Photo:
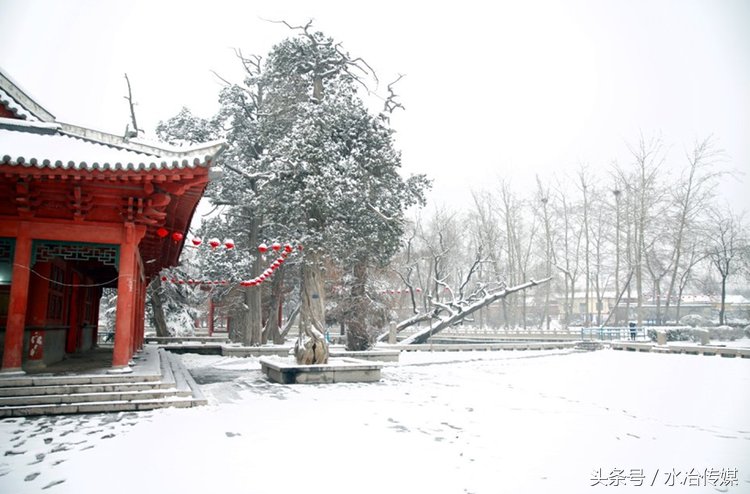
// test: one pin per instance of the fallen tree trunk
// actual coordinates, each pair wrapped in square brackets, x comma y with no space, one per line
[457,312]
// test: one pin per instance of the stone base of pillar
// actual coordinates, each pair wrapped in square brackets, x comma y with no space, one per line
[125,369]
[35,364]
[12,372]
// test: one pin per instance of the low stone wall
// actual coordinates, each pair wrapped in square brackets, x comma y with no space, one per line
[337,370]
[682,349]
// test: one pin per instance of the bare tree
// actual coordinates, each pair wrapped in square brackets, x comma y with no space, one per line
[646,205]
[727,244]
[584,186]
[569,250]
[543,194]
[691,194]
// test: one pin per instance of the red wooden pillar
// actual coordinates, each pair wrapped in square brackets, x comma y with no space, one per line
[126,292]
[134,312]
[140,314]
[19,292]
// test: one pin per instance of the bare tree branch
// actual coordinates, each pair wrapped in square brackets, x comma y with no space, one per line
[129,97]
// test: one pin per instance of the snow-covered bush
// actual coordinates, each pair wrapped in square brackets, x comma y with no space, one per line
[693,320]
[725,333]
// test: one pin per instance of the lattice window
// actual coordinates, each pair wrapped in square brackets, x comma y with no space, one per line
[7,250]
[46,250]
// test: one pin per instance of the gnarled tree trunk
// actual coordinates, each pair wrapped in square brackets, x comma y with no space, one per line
[358,337]
[272,331]
[311,346]
[157,305]
[253,329]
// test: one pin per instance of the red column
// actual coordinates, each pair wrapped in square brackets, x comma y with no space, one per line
[126,286]
[139,316]
[144,288]
[19,292]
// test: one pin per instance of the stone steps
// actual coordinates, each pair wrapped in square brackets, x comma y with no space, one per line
[94,407]
[74,398]
[159,380]
[81,388]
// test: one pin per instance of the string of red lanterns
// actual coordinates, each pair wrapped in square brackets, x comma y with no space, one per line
[196,241]
[263,249]
[284,252]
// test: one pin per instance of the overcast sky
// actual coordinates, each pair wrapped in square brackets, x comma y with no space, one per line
[491,89]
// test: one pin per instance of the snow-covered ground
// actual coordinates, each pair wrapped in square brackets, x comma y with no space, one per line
[475,422]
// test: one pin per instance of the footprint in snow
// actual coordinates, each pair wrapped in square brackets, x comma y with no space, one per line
[39,459]
[52,484]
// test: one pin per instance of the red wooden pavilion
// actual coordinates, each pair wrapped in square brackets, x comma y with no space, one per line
[81,210]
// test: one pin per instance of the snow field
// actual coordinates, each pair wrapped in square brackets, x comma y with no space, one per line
[473,422]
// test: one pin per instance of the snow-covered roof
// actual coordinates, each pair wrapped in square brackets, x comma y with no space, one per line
[45,146]
[9,102]
[20,102]
[34,138]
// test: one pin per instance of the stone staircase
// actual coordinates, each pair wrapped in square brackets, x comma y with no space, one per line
[158,380]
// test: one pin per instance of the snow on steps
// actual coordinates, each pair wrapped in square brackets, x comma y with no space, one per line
[172,386]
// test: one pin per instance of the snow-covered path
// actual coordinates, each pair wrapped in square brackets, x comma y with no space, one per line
[441,423]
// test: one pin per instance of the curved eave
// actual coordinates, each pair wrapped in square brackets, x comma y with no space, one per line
[167,163]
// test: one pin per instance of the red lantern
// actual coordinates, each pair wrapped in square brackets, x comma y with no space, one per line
[214,242]
[300,247]
[177,236]
[262,248]
[163,278]
[197,241]
[288,248]
[229,243]
[419,290]
[162,232]
[181,282]
[245,283]
[276,246]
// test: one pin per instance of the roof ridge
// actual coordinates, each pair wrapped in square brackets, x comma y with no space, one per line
[136,144]
[29,125]
[23,98]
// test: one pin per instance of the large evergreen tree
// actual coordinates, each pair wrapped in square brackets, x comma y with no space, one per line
[306,161]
